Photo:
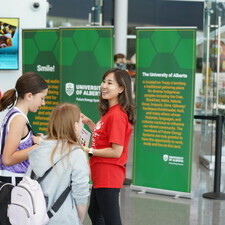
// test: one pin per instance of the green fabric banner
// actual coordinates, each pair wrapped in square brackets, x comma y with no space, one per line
[41,54]
[165,104]
[86,54]
[72,61]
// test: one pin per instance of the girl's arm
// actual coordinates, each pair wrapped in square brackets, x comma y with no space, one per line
[17,130]
[82,209]
[114,152]
[80,182]
[88,121]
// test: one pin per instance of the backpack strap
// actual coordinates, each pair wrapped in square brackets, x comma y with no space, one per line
[58,203]
[4,131]
[40,179]
[30,128]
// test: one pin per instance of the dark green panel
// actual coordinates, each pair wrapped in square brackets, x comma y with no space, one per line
[41,55]
[165,102]
[86,54]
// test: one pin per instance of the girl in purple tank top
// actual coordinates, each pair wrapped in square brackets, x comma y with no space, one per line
[16,134]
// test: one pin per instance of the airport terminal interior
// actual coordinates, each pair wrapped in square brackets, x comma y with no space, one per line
[141,207]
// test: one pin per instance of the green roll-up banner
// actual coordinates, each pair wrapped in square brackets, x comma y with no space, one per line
[41,54]
[72,61]
[165,102]
[86,54]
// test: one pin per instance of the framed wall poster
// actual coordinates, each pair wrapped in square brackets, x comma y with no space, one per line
[9,43]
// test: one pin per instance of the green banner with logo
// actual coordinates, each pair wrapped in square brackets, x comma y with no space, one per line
[165,105]
[72,61]
[86,54]
[41,54]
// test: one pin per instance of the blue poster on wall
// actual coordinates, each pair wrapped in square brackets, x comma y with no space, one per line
[9,43]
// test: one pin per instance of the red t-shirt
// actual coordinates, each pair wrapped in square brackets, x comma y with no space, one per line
[113,127]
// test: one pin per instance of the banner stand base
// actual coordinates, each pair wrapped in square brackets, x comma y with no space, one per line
[175,194]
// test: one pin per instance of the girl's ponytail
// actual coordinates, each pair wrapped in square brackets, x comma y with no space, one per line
[8,99]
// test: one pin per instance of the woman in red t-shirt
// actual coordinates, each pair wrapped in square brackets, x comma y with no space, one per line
[110,139]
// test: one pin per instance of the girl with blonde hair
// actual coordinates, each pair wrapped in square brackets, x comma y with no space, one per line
[61,145]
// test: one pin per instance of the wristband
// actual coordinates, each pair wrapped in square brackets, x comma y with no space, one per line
[84,148]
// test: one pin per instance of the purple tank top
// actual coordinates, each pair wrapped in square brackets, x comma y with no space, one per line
[24,143]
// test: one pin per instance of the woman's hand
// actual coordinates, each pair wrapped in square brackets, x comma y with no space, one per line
[86,149]
[86,120]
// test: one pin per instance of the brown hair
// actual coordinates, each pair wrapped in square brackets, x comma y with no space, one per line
[29,82]
[118,56]
[61,126]
[125,98]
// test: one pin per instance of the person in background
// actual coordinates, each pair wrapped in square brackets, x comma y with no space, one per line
[16,133]
[109,151]
[61,142]
[120,61]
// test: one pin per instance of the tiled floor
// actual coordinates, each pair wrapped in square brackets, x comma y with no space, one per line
[153,209]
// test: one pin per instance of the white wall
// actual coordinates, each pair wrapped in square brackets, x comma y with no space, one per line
[29,18]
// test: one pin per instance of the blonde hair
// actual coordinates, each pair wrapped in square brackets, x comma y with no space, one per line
[61,127]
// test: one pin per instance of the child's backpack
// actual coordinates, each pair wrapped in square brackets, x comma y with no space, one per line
[5,199]
[28,205]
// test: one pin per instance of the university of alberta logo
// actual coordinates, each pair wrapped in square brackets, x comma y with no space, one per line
[69,89]
[165,157]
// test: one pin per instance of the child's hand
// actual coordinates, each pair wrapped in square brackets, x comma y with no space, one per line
[37,139]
